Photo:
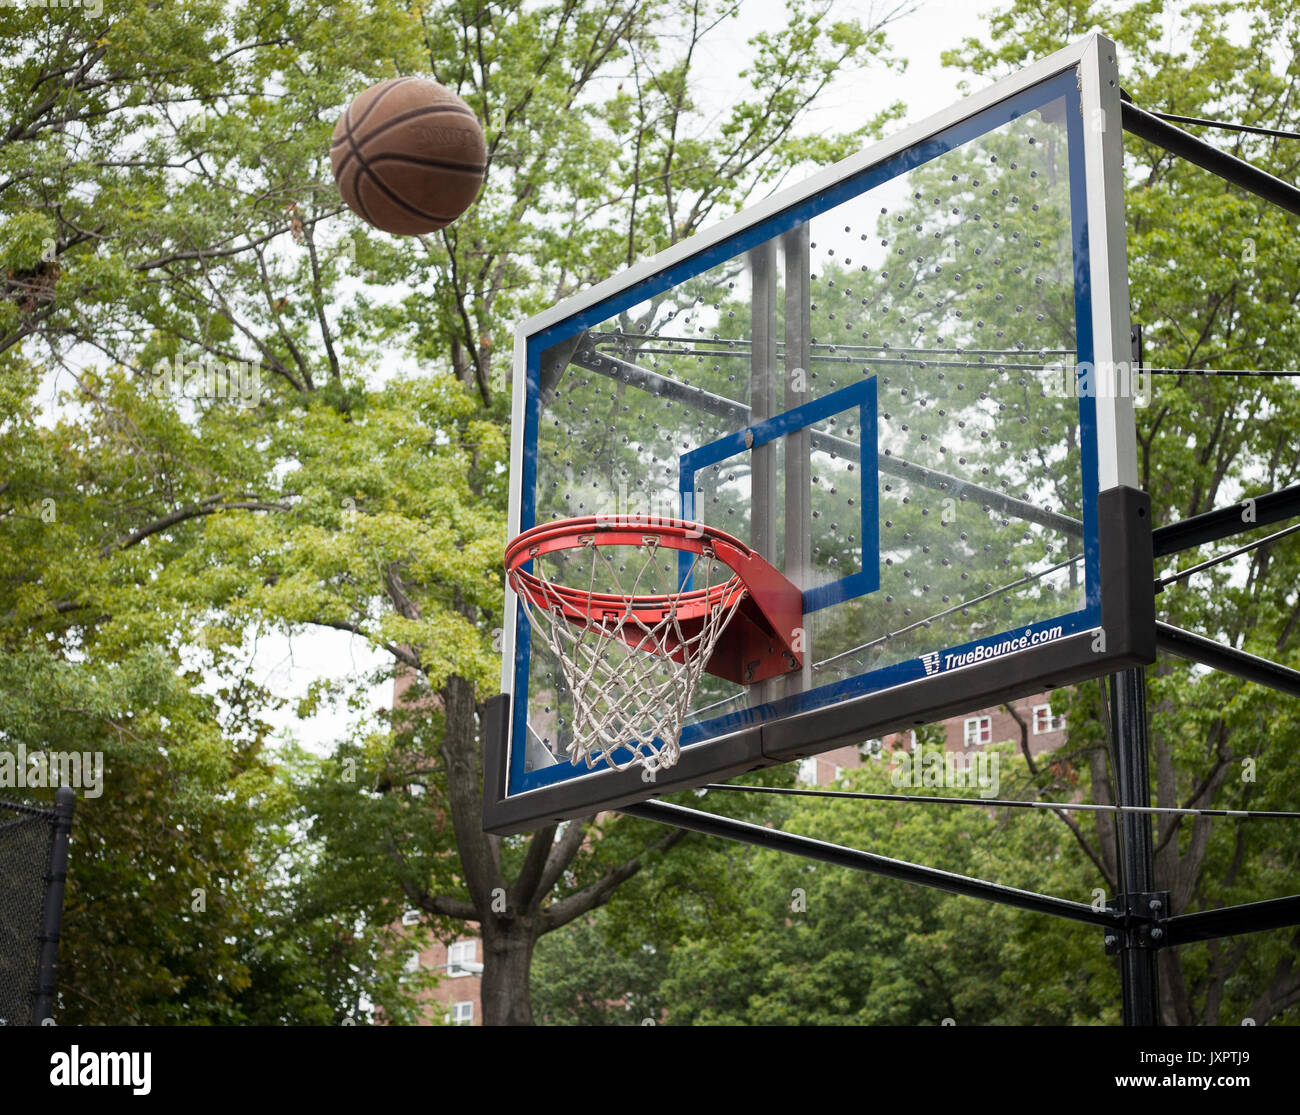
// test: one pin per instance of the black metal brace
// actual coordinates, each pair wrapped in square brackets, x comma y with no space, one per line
[1143,927]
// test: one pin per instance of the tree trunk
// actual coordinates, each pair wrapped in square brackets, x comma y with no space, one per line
[507,965]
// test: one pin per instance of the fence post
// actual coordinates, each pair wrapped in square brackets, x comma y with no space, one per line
[52,916]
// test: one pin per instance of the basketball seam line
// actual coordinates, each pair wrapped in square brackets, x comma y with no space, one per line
[468,168]
[412,114]
[383,187]
[349,137]
[347,131]
[356,145]
[363,165]
[376,102]
[415,210]
[356,192]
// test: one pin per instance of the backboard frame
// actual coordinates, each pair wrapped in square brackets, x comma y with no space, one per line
[1118,627]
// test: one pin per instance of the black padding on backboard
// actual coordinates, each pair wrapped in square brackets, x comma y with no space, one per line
[1128,594]
[496,746]
[719,759]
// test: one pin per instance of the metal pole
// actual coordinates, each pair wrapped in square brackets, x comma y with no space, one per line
[1249,514]
[1255,917]
[52,915]
[1139,978]
[713,824]
[1228,167]
[762,404]
[1197,648]
[798,448]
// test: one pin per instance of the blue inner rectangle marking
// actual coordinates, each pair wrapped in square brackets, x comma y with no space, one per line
[861,395]
[1084,619]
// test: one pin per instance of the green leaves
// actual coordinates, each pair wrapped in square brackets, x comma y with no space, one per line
[27,241]
[816,945]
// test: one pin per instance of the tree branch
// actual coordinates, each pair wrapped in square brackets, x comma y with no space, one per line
[446,907]
[562,853]
[209,506]
[438,904]
[403,655]
[460,753]
[1068,821]
[523,891]
[598,893]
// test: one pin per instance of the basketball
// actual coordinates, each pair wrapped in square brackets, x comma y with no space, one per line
[408,156]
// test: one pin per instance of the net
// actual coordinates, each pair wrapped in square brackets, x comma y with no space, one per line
[631,660]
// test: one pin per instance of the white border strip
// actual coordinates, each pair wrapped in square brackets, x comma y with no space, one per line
[1103,165]
[509,616]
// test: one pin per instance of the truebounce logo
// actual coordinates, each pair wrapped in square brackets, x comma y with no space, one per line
[235,381]
[986,651]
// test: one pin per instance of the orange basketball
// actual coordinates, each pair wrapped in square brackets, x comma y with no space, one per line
[408,156]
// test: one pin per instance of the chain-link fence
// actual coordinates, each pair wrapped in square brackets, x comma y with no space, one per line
[33,867]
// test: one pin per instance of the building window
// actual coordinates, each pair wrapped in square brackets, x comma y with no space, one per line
[808,771]
[462,1014]
[412,964]
[411,917]
[459,955]
[979,731]
[1045,722]
[873,749]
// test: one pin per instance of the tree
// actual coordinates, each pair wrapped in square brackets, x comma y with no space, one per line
[577,980]
[1215,285]
[829,946]
[239,451]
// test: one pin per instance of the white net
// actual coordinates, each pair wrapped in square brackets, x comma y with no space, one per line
[631,670]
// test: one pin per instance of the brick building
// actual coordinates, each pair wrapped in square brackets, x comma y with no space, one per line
[457,1000]
[963,734]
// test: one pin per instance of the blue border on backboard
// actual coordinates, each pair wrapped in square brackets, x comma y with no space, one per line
[1064,84]
[861,395]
